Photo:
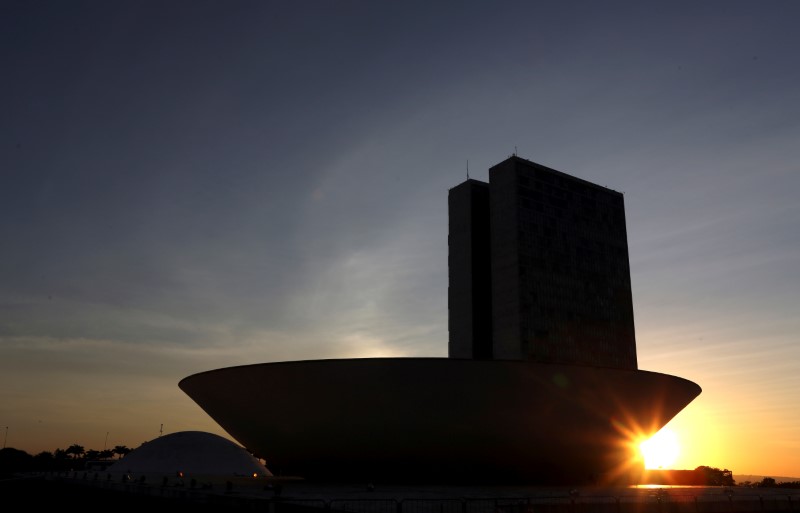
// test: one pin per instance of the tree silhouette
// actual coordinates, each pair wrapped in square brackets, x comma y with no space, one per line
[75,450]
[44,461]
[767,482]
[106,454]
[14,460]
[91,454]
[120,450]
[45,456]
[716,477]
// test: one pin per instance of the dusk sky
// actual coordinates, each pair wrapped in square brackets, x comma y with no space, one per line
[192,185]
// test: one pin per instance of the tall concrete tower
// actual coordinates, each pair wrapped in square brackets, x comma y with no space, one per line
[539,270]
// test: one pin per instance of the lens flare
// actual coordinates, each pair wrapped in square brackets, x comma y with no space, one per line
[660,450]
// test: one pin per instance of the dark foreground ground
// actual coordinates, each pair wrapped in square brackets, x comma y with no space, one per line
[54,491]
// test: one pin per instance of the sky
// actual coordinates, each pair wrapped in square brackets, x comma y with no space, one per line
[192,185]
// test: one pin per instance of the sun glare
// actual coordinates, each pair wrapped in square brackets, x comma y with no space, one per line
[660,450]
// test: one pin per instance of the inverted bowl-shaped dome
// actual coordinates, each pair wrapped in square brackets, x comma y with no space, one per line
[191,453]
[437,420]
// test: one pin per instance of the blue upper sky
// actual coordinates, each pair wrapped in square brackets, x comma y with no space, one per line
[188,185]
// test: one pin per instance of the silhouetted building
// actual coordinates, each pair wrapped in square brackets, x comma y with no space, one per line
[538,263]
[469,261]
[541,387]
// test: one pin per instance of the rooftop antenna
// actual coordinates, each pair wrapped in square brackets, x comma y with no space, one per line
[515,151]
[161,430]
[467,169]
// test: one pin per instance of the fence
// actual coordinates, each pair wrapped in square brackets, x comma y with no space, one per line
[267,500]
[593,504]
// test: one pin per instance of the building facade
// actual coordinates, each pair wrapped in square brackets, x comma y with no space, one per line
[539,270]
[468,261]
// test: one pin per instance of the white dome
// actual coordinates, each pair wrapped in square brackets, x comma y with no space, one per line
[192,453]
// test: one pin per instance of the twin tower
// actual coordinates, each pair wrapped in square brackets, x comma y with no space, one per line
[539,271]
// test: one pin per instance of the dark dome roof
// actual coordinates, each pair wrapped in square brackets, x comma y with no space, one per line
[193,453]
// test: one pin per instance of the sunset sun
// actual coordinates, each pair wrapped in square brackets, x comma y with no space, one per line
[660,450]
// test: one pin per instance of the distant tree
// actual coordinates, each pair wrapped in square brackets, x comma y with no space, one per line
[75,450]
[14,460]
[716,477]
[61,460]
[789,484]
[44,461]
[767,482]
[120,450]
[91,454]
[45,456]
[106,454]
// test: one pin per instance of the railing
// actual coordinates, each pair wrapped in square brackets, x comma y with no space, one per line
[593,504]
[729,500]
